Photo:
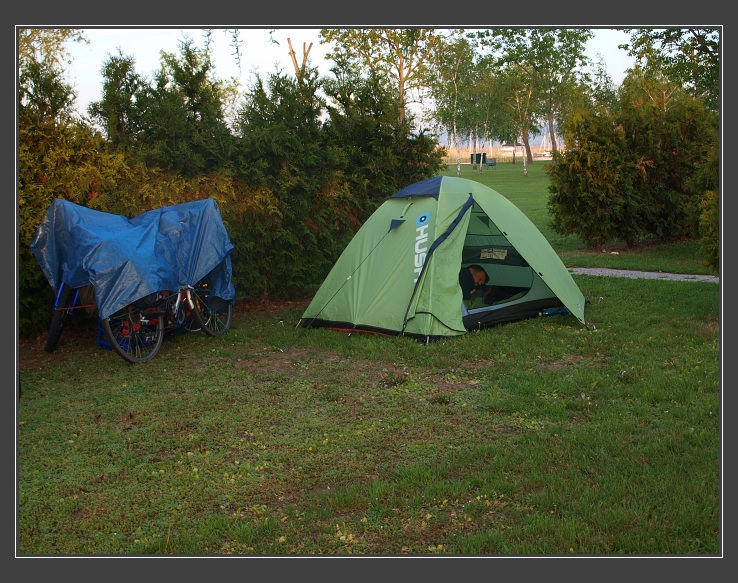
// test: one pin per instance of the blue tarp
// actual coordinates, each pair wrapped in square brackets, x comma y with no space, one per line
[127,259]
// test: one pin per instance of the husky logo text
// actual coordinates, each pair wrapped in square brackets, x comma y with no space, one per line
[421,243]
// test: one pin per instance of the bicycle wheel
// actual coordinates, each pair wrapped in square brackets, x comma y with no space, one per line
[211,312]
[64,301]
[135,334]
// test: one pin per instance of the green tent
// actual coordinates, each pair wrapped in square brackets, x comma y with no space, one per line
[400,272]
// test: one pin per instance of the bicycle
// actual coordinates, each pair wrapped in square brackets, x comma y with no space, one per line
[135,332]
[122,259]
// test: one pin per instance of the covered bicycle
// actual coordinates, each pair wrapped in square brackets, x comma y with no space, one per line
[164,270]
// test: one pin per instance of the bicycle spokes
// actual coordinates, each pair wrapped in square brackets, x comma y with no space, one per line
[134,334]
[213,313]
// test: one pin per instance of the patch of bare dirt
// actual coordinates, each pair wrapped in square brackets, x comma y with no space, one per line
[269,305]
[312,364]
[77,333]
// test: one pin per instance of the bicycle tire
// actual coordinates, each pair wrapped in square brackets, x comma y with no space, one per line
[134,334]
[214,314]
[64,301]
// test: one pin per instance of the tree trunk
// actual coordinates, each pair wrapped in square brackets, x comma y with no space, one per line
[456,135]
[457,145]
[526,145]
[527,152]
[481,154]
[554,146]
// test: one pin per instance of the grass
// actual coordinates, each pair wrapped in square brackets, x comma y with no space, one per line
[539,437]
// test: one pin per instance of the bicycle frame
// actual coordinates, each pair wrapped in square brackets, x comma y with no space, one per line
[136,331]
[58,304]
[64,305]
[176,307]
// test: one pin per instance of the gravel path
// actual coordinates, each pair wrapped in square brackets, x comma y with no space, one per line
[641,274]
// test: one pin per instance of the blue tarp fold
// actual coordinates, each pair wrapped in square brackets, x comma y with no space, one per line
[128,259]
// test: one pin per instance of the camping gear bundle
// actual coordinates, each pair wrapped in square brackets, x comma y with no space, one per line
[126,259]
[400,272]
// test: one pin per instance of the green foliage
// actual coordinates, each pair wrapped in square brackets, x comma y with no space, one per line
[705,184]
[119,111]
[540,69]
[58,157]
[290,214]
[635,172]
[591,196]
[176,123]
[401,55]
[308,185]
[710,229]
[461,99]
[676,140]
[689,57]
[378,154]
[43,94]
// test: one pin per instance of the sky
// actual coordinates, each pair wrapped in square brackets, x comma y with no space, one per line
[258,53]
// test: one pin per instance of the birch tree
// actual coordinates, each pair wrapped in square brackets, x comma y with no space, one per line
[449,82]
[401,55]
[518,88]
[688,56]
[553,60]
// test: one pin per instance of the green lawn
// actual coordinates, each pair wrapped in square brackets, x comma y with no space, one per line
[536,438]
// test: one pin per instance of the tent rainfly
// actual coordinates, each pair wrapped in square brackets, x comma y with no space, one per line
[400,272]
